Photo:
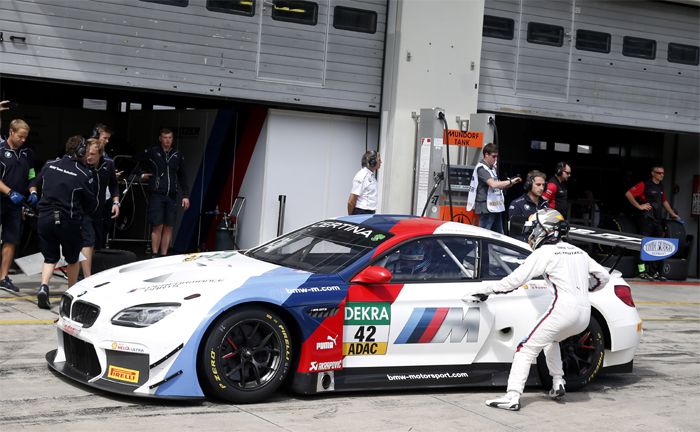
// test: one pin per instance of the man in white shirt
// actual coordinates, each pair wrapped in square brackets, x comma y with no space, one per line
[363,195]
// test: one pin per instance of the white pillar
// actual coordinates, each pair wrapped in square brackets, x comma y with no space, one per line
[433,51]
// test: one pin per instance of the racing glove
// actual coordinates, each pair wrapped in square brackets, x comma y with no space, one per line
[478,294]
[16,197]
[33,199]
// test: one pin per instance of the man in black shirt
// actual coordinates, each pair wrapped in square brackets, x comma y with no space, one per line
[525,205]
[165,171]
[649,198]
[556,192]
[68,191]
[16,170]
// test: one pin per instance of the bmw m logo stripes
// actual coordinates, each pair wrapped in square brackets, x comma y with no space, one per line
[435,325]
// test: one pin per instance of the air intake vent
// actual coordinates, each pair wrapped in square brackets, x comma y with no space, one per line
[322,312]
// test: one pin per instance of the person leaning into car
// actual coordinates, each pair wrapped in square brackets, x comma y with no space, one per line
[68,191]
[16,171]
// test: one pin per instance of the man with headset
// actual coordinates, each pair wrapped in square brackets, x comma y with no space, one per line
[363,195]
[525,205]
[556,192]
[68,191]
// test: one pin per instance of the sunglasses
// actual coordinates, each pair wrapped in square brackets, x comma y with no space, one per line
[659,172]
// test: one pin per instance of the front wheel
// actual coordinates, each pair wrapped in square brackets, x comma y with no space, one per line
[246,356]
[581,355]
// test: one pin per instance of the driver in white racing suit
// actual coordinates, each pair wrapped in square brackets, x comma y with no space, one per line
[570,273]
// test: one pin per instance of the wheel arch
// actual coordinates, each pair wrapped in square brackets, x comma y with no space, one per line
[604,324]
[288,318]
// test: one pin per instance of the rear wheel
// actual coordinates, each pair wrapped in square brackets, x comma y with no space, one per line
[246,356]
[582,357]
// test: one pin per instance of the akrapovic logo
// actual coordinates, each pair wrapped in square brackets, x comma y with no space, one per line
[436,325]
[324,366]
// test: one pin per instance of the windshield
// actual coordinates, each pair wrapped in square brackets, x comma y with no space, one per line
[324,247]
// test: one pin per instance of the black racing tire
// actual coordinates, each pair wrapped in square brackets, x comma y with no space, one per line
[582,358]
[246,356]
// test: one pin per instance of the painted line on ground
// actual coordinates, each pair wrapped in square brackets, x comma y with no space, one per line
[643,282]
[27,321]
[670,319]
[669,303]
[2,299]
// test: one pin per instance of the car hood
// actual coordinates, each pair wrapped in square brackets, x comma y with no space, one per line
[210,276]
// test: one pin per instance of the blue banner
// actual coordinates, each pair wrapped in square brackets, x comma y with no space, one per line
[655,249]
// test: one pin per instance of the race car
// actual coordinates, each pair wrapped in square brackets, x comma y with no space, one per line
[354,303]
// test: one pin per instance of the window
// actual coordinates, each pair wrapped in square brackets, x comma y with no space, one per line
[296,11]
[584,149]
[638,47]
[545,34]
[685,54]
[498,27]
[237,7]
[538,145]
[323,247]
[587,40]
[561,147]
[501,261]
[95,104]
[432,259]
[345,18]
[181,3]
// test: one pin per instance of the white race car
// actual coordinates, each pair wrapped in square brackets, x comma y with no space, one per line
[355,303]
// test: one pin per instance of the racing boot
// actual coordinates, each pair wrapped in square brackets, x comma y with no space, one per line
[42,297]
[558,391]
[510,401]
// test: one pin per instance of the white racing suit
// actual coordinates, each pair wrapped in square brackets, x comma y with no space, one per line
[571,274]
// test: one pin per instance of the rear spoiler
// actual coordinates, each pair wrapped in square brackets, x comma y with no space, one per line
[605,237]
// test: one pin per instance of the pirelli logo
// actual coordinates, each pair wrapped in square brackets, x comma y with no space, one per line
[123,374]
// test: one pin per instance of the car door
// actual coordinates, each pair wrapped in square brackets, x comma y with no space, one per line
[418,318]
[515,313]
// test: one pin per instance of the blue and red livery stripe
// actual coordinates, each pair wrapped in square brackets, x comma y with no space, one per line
[422,325]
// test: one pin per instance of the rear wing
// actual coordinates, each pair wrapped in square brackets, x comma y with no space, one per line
[605,237]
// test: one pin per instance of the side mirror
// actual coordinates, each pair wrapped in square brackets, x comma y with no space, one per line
[373,275]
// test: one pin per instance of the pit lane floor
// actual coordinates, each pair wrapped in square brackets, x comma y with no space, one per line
[660,395]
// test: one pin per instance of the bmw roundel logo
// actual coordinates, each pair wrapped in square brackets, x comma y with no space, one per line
[8,154]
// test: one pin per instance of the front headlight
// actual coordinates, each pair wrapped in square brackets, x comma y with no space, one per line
[144,315]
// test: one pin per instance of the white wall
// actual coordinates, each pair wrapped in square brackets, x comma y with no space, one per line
[309,157]
[443,38]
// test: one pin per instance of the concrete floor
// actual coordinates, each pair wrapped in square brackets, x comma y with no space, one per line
[660,395]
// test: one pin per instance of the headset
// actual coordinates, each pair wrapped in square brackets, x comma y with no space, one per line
[95,133]
[560,167]
[81,149]
[369,159]
[528,182]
